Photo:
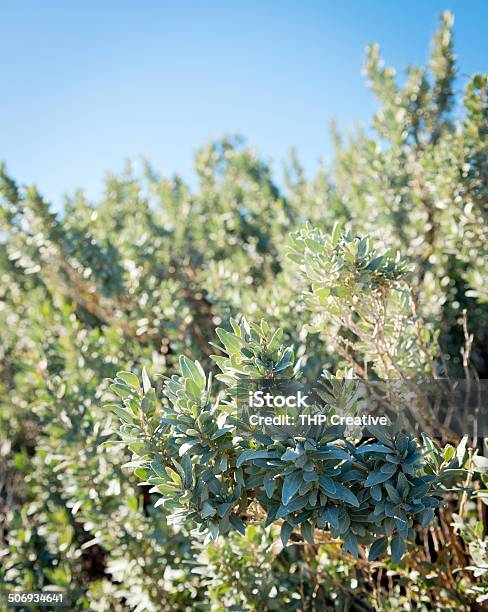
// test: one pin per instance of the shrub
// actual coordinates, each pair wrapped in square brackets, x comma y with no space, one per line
[148,274]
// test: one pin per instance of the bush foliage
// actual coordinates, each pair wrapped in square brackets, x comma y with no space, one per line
[136,492]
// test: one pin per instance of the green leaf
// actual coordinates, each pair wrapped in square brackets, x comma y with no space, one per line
[376,477]
[175,477]
[378,548]
[331,515]
[480,464]
[373,448]
[351,544]
[427,516]
[146,383]
[213,528]
[397,549]
[275,342]
[193,389]
[345,494]
[129,378]
[285,533]
[375,263]
[208,510]
[250,454]
[122,391]
[314,246]
[376,492]
[402,485]
[237,523]
[222,509]
[392,493]
[381,434]
[290,455]
[184,448]
[461,450]
[321,291]
[327,484]
[194,371]
[336,233]
[388,468]
[231,342]
[449,452]
[291,484]
[126,416]
[269,485]
[296,504]
[307,532]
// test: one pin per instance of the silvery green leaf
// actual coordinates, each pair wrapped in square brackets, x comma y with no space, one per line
[427,517]
[146,383]
[331,514]
[388,468]
[213,528]
[231,342]
[296,504]
[250,454]
[290,455]
[305,487]
[397,549]
[223,508]
[275,341]
[327,484]
[122,390]
[480,464]
[373,448]
[402,485]
[307,532]
[285,533]
[345,494]
[376,493]
[237,523]
[331,452]
[208,510]
[351,544]
[401,442]
[378,548]
[184,448]
[381,434]
[375,478]
[125,415]
[375,263]
[291,484]
[344,521]
[129,378]
[269,484]
[392,493]
[461,450]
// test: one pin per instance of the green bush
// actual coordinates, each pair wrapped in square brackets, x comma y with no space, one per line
[148,276]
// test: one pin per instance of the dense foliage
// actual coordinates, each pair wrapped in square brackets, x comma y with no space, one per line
[100,299]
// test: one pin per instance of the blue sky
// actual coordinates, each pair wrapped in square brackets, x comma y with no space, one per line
[85,85]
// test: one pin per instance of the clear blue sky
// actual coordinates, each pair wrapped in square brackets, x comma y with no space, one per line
[87,84]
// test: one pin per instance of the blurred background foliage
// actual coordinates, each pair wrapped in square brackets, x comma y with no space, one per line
[148,273]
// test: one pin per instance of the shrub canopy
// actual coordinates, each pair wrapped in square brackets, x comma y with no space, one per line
[373,268]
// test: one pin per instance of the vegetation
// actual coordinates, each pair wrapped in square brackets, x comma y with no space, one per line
[125,476]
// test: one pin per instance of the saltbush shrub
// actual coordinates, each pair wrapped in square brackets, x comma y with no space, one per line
[144,277]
